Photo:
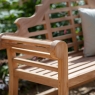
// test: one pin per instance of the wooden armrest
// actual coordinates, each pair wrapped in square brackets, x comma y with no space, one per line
[27,44]
[2,34]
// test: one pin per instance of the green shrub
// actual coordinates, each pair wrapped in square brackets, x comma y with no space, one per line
[10,10]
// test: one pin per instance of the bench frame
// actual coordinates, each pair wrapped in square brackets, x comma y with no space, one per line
[47,49]
[56,49]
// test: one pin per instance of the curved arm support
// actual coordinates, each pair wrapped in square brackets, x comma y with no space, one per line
[24,23]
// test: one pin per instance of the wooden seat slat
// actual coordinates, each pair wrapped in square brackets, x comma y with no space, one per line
[52,73]
[78,74]
[83,71]
[44,72]
[28,68]
[77,65]
[35,77]
[37,70]
[75,58]
[77,69]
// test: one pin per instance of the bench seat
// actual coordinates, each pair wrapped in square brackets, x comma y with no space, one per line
[65,26]
[81,70]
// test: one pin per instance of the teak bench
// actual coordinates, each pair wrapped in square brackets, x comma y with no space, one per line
[56,69]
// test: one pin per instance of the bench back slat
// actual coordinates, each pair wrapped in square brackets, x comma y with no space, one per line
[56,23]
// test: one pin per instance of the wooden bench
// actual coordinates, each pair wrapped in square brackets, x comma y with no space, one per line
[57,69]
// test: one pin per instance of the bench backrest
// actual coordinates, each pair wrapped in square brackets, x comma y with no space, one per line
[56,20]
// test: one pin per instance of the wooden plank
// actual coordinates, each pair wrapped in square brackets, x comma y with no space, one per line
[73,29]
[83,63]
[74,0]
[32,52]
[73,83]
[82,78]
[59,19]
[30,69]
[34,77]
[23,40]
[81,72]
[63,37]
[77,7]
[59,10]
[48,26]
[71,60]
[70,45]
[82,67]
[51,74]
[73,44]
[44,72]
[62,28]
[37,70]
[52,91]
[91,3]
[25,46]
[35,64]
[62,69]
[13,82]
[36,33]
[57,1]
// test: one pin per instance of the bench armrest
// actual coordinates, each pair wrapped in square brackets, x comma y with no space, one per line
[47,49]
[1,34]
[52,47]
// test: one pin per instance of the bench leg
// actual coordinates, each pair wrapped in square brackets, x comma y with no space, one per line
[13,86]
[13,81]
[63,88]
[62,91]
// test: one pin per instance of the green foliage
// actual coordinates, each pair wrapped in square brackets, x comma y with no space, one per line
[28,8]
[10,10]
[8,13]
[3,72]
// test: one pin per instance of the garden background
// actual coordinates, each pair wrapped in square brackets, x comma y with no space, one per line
[10,10]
